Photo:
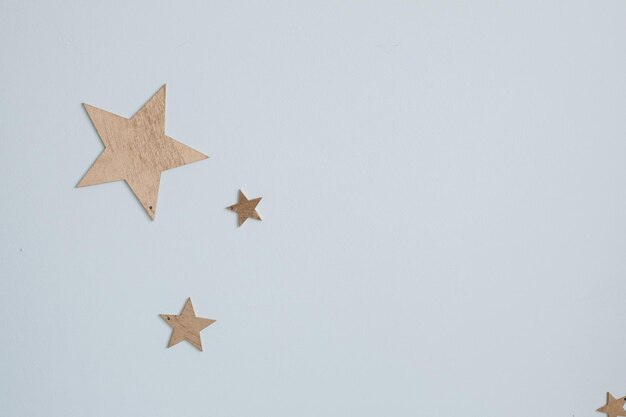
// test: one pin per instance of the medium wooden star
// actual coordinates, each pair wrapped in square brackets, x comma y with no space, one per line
[245,209]
[186,326]
[137,150]
[614,406]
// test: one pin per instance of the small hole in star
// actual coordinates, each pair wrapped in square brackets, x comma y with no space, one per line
[150,207]
[168,318]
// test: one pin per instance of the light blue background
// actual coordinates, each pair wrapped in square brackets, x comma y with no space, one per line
[444,209]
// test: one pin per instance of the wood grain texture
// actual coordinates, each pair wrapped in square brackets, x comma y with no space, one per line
[614,406]
[245,209]
[137,150]
[186,326]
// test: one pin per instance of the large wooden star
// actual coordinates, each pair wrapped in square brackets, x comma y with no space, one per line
[245,209]
[137,150]
[186,326]
[614,406]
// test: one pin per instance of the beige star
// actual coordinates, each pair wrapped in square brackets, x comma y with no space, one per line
[614,406]
[137,150]
[245,209]
[186,326]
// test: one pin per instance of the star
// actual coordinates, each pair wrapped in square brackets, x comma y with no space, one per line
[186,326]
[245,208]
[137,150]
[614,406]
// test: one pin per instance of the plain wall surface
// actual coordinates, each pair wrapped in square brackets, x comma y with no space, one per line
[444,209]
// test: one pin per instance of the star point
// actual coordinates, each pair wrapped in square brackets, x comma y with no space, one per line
[137,150]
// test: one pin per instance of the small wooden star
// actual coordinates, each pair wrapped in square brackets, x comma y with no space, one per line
[186,326]
[137,150]
[245,209]
[614,406]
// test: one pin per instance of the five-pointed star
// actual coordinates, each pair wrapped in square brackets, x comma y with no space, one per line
[245,209]
[186,326]
[614,406]
[137,150]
